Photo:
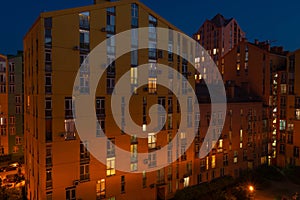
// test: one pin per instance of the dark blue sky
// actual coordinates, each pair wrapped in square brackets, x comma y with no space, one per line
[262,19]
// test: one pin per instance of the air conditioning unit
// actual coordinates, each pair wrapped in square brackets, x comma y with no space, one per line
[75,182]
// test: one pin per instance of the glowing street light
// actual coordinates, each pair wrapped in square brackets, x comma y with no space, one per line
[251,188]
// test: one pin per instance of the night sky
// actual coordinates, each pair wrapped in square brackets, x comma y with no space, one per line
[277,21]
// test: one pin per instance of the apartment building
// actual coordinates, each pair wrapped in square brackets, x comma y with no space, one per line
[15,106]
[288,112]
[218,36]
[58,164]
[253,66]
[4,149]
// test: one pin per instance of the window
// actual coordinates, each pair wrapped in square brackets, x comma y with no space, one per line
[110,84]
[48,107]
[213,161]
[18,140]
[152,159]
[122,184]
[110,166]
[18,109]
[298,114]
[12,130]
[100,189]
[69,129]
[48,178]
[12,120]
[48,32]
[48,130]
[71,193]
[133,154]
[48,156]
[84,20]
[11,88]
[235,158]
[84,172]
[18,99]
[283,89]
[144,179]
[110,147]
[151,140]
[186,181]
[134,79]
[296,152]
[84,153]
[68,108]
[282,125]
[225,160]
[100,126]
[152,85]
[134,15]
[49,195]
[84,87]
[100,106]
[15,149]
[84,39]
[48,83]
[184,86]
[111,19]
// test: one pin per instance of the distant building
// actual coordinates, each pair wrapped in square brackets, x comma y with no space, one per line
[15,106]
[253,66]
[287,80]
[4,149]
[218,36]
[11,108]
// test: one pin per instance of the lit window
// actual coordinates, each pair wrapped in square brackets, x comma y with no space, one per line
[235,159]
[151,140]
[100,189]
[186,182]
[298,114]
[152,85]
[282,125]
[198,37]
[213,161]
[110,166]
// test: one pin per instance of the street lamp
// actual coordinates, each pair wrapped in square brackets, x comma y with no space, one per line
[251,188]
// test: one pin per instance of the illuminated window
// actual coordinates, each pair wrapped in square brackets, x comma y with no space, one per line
[133,153]
[207,163]
[282,125]
[151,140]
[198,37]
[214,51]
[213,161]
[186,181]
[235,158]
[298,114]
[100,189]
[152,85]
[283,88]
[110,166]
[221,143]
